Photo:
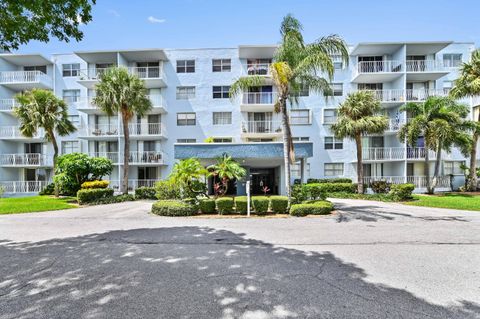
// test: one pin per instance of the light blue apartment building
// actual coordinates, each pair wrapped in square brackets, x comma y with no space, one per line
[189,92]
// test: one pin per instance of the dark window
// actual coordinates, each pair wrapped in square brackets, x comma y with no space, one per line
[185,66]
[221,92]
[221,65]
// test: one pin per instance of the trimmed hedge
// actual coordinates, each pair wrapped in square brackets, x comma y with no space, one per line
[260,204]
[317,208]
[145,193]
[279,204]
[172,208]
[224,205]
[328,180]
[85,196]
[207,206]
[400,192]
[114,199]
[94,184]
[332,187]
[380,187]
[241,205]
[167,190]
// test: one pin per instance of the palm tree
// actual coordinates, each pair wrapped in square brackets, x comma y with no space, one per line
[468,84]
[358,116]
[296,66]
[441,122]
[41,109]
[188,173]
[121,92]
[227,169]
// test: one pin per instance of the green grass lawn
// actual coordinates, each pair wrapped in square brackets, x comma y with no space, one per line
[453,201]
[18,205]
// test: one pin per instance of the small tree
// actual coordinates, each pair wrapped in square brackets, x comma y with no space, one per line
[41,109]
[358,116]
[188,173]
[226,169]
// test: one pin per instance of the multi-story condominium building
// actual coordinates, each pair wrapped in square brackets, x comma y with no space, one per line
[189,92]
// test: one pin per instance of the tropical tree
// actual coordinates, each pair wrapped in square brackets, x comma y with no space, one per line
[468,84]
[441,122]
[296,66]
[227,169]
[357,116]
[120,92]
[41,109]
[188,174]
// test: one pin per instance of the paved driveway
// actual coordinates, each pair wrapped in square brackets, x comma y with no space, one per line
[370,260]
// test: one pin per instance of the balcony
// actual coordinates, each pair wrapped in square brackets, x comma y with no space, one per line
[13,133]
[377,71]
[158,104]
[394,125]
[90,77]
[100,132]
[390,98]
[26,160]
[258,102]
[373,154]
[25,80]
[7,105]
[425,70]
[152,75]
[146,131]
[112,156]
[261,129]
[419,153]
[262,69]
[85,105]
[23,186]
[147,158]
[420,95]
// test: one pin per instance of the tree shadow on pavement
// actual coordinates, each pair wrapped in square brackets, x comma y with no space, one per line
[193,272]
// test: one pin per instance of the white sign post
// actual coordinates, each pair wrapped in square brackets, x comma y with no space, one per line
[248,198]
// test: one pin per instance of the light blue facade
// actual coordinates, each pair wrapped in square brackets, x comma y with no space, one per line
[397,72]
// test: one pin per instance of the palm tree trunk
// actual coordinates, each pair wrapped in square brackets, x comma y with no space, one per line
[436,171]
[287,138]
[472,179]
[358,141]
[55,156]
[426,171]
[126,154]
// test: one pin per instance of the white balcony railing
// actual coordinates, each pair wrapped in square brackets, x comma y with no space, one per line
[14,132]
[424,66]
[7,104]
[137,129]
[419,153]
[7,77]
[395,95]
[92,73]
[148,72]
[422,95]
[132,184]
[365,67]
[258,68]
[259,98]
[383,153]
[267,127]
[100,130]
[113,156]
[421,181]
[149,157]
[31,159]
[389,179]
[23,186]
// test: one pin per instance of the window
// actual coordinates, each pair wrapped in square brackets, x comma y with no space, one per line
[337,89]
[75,119]
[186,140]
[222,140]
[301,139]
[184,119]
[295,169]
[447,86]
[185,92]
[299,117]
[185,66]
[41,68]
[222,118]
[331,143]
[333,169]
[452,168]
[337,62]
[329,116]
[452,60]
[221,92]
[221,65]
[72,69]
[304,91]
[70,147]
[71,96]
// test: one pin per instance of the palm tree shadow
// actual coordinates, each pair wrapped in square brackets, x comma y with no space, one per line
[193,272]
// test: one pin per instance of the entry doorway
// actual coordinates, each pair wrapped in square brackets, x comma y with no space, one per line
[261,177]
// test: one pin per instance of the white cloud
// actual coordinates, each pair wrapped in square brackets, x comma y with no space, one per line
[152,19]
[114,13]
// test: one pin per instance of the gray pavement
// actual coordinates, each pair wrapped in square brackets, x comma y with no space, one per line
[368,260]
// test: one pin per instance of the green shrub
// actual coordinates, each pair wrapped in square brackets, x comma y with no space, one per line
[260,204]
[334,187]
[113,199]
[145,193]
[167,189]
[279,204]
[85,196]
[380,187]
[207,206]
[315,191]
[317,208]
[379,197]
[241,205]
[172,208]
[94,184]
[400,192]
[48,190]
[299,194]
[328,180]
[224,205]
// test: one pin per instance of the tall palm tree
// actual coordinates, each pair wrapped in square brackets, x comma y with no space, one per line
[357,116]
[441,122]
[296,65]
[41,109]
[468,84]
[227,169]
[120,92]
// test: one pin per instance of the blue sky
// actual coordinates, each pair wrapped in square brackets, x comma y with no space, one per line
[125,24]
